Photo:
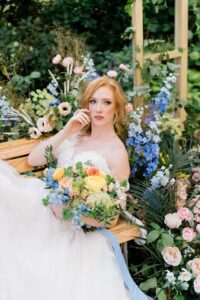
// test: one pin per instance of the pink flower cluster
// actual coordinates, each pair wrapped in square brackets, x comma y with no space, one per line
[175,220]
[67,62]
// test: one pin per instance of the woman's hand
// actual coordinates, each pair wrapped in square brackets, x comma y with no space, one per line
[79,120]
[93,222]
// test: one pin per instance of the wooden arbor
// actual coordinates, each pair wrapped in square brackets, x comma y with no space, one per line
[180,41]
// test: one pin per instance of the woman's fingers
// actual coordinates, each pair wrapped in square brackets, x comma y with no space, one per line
[85,110]
[83,117]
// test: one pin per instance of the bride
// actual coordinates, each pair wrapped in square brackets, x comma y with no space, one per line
[42,256]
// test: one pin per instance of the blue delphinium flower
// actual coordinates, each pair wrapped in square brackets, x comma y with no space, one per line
[48,179]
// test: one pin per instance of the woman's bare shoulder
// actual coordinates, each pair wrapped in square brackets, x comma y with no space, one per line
[118,160]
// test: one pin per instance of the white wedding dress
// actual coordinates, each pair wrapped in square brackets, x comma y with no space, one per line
[44,258]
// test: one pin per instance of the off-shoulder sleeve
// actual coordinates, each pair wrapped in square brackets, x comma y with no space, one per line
[65,151]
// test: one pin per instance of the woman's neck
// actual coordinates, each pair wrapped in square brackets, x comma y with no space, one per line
[103,133]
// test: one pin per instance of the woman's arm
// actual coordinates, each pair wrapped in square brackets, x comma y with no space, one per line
[75,124]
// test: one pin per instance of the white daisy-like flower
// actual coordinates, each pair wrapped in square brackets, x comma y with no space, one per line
[64,108]
[185,275]
[34,133]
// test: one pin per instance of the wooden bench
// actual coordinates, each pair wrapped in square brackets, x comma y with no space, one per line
[15,154]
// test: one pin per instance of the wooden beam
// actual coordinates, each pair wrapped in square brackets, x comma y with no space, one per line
[137,22]
[181,40]
[165,55]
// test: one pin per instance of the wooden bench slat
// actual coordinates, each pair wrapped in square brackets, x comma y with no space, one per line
[12,149]
[20,164]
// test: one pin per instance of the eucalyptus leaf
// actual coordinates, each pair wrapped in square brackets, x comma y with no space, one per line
[149,284]
[152,236]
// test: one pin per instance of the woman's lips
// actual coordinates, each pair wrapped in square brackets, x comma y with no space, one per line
[98,118]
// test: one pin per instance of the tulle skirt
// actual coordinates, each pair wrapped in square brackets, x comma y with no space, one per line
[42,257]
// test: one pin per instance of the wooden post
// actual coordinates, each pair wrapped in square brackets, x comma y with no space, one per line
[137,21]
[181,41]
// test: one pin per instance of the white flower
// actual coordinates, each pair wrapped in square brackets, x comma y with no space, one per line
[43,125]
[34,133]
[184,285]
[197,285]
[123,67]
[112,74]
[172,220]
[64,108]
[185,275]
[170,277]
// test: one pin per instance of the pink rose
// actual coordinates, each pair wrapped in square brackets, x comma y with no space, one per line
[198,228]
[172,220]
[43,125]
[123,67]
[196,177]
[198,204]
[185,214]
[78,70]
[197,284]
[112,73]
[67,61]
[172,256]
[56,59]
[188,234]
[129,107]
[197,188]
[194,265]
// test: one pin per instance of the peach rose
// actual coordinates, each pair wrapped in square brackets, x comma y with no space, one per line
[129,107]
[56,59]
[185,214]
[188,234]
[65,182]
[171,255]
[112,73]
[194,265]
[172,220]
[67,61]
[197,284]
[93,171]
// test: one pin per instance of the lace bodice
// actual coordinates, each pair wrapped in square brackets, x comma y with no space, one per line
[67,157]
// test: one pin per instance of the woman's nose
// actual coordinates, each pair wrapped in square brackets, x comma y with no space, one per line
[99,107]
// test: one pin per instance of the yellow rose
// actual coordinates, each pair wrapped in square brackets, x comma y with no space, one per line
[94,183]
[58,173]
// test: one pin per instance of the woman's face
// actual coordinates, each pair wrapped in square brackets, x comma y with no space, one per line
[102,106]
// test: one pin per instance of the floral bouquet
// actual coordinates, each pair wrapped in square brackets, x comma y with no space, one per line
[84,189]
[174,243]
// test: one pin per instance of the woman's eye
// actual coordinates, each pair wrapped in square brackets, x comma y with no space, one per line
[107,102]
[92,101]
